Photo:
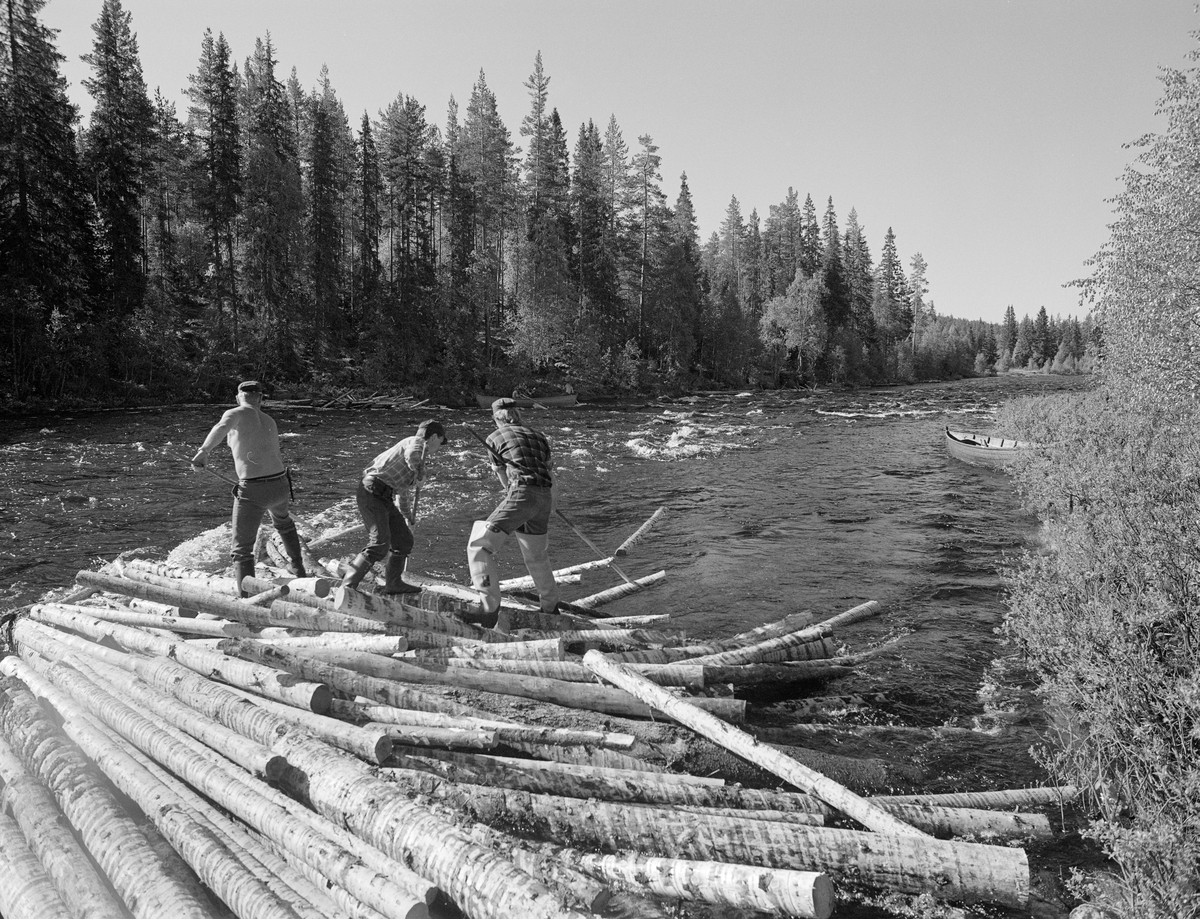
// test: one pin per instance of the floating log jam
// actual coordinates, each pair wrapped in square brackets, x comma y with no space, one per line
[278,741]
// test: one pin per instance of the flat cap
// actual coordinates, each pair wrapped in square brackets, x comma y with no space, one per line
[249,386]
[504,403]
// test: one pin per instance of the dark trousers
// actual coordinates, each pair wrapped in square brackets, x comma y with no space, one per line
[387,530]
[250,501]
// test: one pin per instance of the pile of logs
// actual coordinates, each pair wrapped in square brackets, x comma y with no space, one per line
[170,749]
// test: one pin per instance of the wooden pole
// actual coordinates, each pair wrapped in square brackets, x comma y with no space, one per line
[748,748]
[591,545]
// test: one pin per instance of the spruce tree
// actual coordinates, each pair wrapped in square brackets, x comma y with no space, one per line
[650,202]
[47,253]
[116,151]
[217,161]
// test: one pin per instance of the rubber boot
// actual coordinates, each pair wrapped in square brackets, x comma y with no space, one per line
[481,559]
[535,551]
[393,577]
[243,569]
[291,542]
[357,571]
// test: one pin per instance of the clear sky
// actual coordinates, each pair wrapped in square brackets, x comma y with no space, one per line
[987,133]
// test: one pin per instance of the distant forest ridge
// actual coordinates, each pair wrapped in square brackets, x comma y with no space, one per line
[153,254]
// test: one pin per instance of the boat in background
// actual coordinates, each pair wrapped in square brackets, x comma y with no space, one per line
[559,400]
[983,449]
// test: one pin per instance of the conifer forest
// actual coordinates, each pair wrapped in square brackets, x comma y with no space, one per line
[153,254]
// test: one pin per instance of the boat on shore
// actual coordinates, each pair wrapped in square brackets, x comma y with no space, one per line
[983,449]
[558,400]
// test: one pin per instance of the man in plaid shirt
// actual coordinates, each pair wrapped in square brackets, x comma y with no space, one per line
[521,460]
[384,498]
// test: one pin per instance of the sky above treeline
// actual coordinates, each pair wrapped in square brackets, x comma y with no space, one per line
[987,134]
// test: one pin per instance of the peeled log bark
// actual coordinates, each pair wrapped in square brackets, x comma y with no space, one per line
[27,891]
[747,747]
[66,863]
[403,898]
[253,757]
[621,590]
[552,649]
[947,870]
[783,647]
[273,683]
[573,695]
[120,848]
[396,612]
[639,534]
[766,890]
[505,731]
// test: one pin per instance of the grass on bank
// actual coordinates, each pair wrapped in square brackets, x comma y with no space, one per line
[1107,614]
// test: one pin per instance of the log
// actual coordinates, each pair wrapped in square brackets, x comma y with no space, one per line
[756,674]
[815,649]
[748,748]
[766,890]
[350,601]
[404,896]
[691,678]
[621,590]
[178,594]
[369,742]
[572,695]
[183,625]
[509,585]
[272,683]
[504,731]
[965,872]
[782,647]
[343,679]
[591,894]
[640,533]
[251,756]
[1015,797]
[27,891]
[45,829]
[792,622]
[481,884]
[121,850]
[264,598]
[572,780]
[544,649]
[334,535]
[417,735]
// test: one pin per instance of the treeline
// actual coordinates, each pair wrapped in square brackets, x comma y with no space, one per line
[1107,610]
[262,233]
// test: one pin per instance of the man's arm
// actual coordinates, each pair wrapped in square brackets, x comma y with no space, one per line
[220,430]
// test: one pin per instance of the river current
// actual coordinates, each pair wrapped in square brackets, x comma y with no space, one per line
[776,502]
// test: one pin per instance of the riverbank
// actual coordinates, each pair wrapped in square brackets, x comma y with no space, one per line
[1105,613]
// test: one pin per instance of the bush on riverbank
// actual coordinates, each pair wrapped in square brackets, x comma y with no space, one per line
[1106,615]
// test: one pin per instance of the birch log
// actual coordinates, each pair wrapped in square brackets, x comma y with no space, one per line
[112,837]
[765,890]
[621,590]
[640,533]
[205,772]
[748,748]
[281,686]
[26,891]
[86,894]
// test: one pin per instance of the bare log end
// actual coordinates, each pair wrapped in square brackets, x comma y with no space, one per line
[322,699]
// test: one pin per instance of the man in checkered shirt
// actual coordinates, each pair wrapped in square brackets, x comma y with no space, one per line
[521,460]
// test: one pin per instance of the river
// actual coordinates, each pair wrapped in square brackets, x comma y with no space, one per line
[775,502]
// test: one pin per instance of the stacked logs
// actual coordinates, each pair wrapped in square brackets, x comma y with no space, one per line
[316,753]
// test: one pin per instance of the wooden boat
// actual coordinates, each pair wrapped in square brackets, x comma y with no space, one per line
[561,400]
[982,449]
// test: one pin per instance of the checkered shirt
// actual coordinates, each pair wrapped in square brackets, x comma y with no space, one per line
[392,465]
[526,453]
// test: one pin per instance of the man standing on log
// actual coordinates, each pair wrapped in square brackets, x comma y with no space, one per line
[385,499]
[264,483]
[521,460]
